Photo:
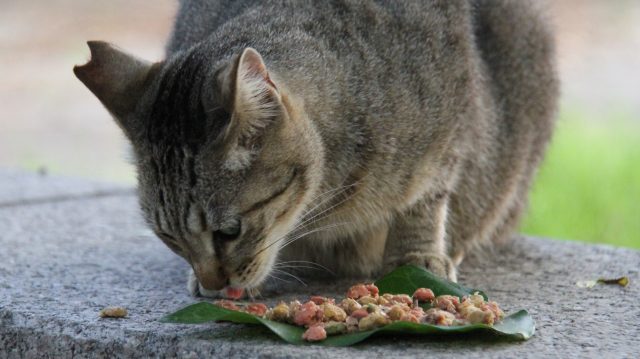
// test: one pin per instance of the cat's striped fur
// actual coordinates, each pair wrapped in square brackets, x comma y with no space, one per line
[358,135]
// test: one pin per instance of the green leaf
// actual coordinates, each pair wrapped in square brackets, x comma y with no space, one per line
[206,312]
[406,279]
[519,326]
[622,281]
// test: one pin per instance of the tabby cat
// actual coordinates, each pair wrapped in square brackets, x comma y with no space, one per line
[356,135]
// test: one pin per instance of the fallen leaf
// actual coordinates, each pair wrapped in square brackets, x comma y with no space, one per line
[622,281]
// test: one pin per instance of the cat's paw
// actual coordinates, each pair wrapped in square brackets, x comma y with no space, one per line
[196,290]
[440,265]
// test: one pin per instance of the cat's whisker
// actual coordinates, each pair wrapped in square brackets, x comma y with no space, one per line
[281,238]
[307,262]
[294,266]
[313,231]
[253,293]
[291,240]
[327,193]
[297,266]
[298,261]
[213,109]
[315,218]
[302,224]
[308,221]
[301,267]
[297,237]
[339,190]
[291,275]
[271,275]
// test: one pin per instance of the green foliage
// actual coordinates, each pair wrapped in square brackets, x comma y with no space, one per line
[406,279]
[589,185]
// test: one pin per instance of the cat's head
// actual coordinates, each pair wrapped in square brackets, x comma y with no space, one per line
[226,159]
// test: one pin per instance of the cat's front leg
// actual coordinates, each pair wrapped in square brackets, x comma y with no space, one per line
[196,289]
[417,236]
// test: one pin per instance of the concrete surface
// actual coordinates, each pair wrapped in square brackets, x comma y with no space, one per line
[18,189]
[61,261]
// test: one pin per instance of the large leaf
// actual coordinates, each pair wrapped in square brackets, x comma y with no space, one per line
[406,279]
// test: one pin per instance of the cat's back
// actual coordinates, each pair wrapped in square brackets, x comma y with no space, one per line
[196,19]
[339,23]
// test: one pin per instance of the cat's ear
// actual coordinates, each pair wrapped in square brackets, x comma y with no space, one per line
[116,78]
[255,98]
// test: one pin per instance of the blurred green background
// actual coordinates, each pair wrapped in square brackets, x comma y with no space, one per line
[587,189]
[589,185]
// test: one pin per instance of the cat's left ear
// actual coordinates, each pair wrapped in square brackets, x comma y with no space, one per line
[256,100]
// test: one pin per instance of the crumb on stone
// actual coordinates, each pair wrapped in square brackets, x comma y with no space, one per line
[113,312]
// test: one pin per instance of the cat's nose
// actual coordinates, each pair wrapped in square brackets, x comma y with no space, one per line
[210,277]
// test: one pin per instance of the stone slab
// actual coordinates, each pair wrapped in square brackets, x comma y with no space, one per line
[20,187]
[63,261]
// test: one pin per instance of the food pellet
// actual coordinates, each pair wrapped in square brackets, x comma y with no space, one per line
[113,312]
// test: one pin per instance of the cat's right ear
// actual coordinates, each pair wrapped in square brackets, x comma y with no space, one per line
[117,79]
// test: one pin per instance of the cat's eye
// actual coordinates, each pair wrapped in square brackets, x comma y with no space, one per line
[229,230]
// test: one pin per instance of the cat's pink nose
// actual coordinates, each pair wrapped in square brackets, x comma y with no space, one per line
[209,277]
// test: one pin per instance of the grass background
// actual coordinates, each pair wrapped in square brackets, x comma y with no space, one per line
[588,187]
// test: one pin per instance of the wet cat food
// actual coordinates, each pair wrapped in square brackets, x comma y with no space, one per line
[365,309]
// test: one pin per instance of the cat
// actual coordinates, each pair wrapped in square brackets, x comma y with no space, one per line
[353,135]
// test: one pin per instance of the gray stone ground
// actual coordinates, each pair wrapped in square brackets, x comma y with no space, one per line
[69,247]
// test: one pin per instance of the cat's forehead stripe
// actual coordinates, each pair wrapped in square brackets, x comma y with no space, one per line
[161,197]
[177,115]
[168,181]
[174,168]
[185,111]
[192,172]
